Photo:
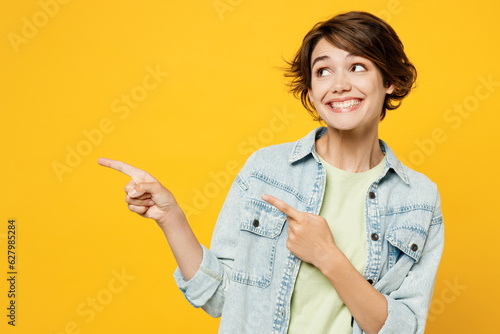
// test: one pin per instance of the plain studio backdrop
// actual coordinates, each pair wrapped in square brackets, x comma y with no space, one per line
[187,90]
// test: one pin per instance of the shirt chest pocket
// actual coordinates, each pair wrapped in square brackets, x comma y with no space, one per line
[260,228]
[407,239]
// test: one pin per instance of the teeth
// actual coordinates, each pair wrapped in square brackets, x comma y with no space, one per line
[345,104]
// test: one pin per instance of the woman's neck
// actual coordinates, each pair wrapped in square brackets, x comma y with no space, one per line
[351,151]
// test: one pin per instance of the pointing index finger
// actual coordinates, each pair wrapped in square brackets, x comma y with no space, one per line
[133,172]
[282,206]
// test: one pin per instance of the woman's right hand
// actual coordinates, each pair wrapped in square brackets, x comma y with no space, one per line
[146,196]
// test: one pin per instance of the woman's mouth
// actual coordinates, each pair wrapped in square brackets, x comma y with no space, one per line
[345,106]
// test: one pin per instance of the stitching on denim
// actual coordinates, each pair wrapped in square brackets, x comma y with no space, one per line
[416,228]
[407,208]
[404,248]
[211,274]
[262,282]
[374,250]
[274,182]
[437,220]
[264,210]
[403,244]
[263,205]
[242,183]
[296,150]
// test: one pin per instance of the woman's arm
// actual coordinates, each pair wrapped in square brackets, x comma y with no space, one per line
[202,275]
[366,304]
[147,197]
[185,246]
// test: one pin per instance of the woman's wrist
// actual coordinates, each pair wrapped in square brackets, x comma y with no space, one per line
[331,260]
[174,219]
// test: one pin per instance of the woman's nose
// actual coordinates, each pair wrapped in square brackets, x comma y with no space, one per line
[340,83]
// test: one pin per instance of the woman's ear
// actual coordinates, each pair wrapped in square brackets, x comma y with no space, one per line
[309,95]
[390,89]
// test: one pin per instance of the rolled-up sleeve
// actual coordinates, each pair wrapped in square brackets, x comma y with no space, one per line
[207,288]
[206,281]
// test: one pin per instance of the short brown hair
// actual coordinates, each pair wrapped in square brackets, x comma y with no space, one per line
[362,34]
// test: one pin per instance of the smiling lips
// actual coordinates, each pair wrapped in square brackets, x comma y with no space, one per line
[344,106]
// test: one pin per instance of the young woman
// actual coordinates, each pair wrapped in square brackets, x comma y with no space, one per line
[328,234]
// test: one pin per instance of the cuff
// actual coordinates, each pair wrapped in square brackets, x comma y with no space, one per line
[207,279]
[400,319]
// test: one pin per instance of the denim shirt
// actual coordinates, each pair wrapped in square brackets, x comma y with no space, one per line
[248,275]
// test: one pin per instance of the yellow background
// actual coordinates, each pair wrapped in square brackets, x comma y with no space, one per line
[214,108]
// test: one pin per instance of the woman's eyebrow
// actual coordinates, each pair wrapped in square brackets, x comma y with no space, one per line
[325,57]
[319,59]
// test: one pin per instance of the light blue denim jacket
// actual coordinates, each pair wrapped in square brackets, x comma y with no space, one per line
[248,275]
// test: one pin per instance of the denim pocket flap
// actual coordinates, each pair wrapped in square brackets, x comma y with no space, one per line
[409,239]
[262,218]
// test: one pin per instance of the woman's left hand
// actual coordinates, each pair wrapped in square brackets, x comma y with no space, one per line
[309,236]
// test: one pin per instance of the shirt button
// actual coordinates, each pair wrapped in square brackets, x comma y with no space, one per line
[282,312]
[255,223]
[371,194]
[370,281]
[374,237]
[414,247]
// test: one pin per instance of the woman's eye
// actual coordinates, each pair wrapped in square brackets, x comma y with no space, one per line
[322,72]
[358,68]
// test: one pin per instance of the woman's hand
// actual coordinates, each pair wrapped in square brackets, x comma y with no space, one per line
[146,196]
[309,236]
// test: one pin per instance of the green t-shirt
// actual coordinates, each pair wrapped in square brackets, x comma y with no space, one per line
[316,307]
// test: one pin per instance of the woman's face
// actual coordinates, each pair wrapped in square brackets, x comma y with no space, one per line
[347,90]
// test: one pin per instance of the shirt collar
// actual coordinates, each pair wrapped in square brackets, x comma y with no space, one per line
[306,145]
